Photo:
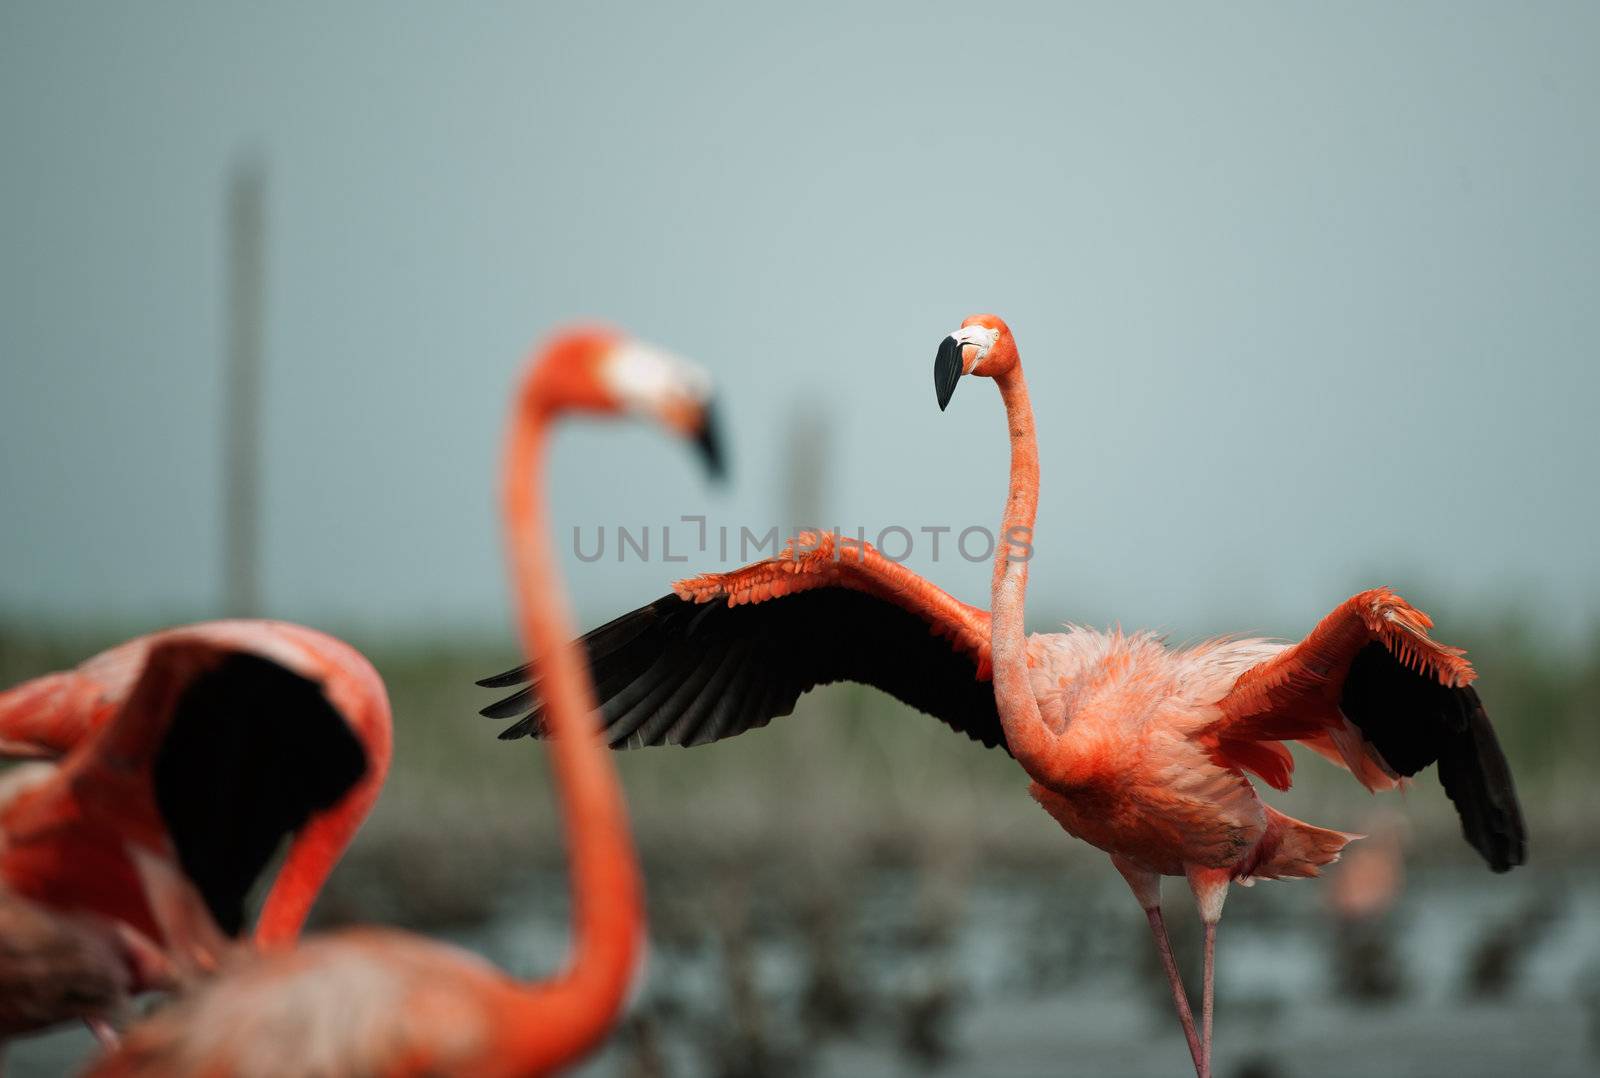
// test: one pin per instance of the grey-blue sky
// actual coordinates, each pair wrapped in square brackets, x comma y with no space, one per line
[1306,294]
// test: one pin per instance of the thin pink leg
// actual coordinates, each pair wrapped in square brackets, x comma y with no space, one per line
[103,1032]
[1210,887]
[1208,999]
[1180,998]
[1146,887]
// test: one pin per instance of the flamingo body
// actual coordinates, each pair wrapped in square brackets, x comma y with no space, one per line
[1131,772]
[362,1001]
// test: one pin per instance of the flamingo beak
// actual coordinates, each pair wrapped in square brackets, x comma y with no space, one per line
[947,370]
[708,442]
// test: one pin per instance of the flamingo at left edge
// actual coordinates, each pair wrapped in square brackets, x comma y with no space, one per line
[164,776]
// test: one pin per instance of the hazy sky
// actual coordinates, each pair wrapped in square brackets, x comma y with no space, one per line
[1306,294]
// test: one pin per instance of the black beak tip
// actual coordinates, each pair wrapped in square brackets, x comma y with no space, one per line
[946,371]
[709,444]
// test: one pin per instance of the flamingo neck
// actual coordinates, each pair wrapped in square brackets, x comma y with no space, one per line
[607,895]
[311,859]
[1026,734]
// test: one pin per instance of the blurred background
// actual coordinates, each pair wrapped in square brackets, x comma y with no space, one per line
[1306,300]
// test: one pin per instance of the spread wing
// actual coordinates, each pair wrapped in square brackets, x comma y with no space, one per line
[1369,689]
[728,652]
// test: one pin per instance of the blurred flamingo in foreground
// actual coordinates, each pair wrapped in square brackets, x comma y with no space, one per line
[1136,748]
[380,1001]
[186,758]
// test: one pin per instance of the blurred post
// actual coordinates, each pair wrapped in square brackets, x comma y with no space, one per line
[241,434]
[807,460]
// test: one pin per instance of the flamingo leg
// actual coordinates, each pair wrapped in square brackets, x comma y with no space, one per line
[193,939]
[1207,1000]
[104,1032]
[1210,887]
[1180,998]
[1146,887]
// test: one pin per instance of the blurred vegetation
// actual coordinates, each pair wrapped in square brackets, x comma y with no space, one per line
[852,777]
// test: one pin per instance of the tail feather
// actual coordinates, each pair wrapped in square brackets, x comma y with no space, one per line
[1293,849]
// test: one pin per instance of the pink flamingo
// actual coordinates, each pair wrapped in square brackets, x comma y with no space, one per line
[1136,748]
[380,1001]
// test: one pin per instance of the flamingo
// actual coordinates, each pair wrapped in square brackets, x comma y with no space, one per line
[379,1001]
[1371,880]
[1137,748]
[299,715]
[167,773]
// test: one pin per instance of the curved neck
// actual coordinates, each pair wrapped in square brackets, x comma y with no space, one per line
[356,691]
[1026,734]
[607,896]
[311,859]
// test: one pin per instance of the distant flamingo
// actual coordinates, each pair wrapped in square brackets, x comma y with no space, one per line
[1136,748]
[1371,877]
[1360,897]
[380,1001]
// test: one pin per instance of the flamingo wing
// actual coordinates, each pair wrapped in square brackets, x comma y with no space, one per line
[1369,689]
[218,753]
[728,652]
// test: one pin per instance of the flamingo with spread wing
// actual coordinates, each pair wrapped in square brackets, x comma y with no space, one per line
[1137,748]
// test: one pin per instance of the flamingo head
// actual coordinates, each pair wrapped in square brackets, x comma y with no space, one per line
[982,345]
[600,371]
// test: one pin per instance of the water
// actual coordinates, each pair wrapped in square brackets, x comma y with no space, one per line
[1014,974]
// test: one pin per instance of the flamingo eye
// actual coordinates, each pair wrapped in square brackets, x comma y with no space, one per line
[980,337]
